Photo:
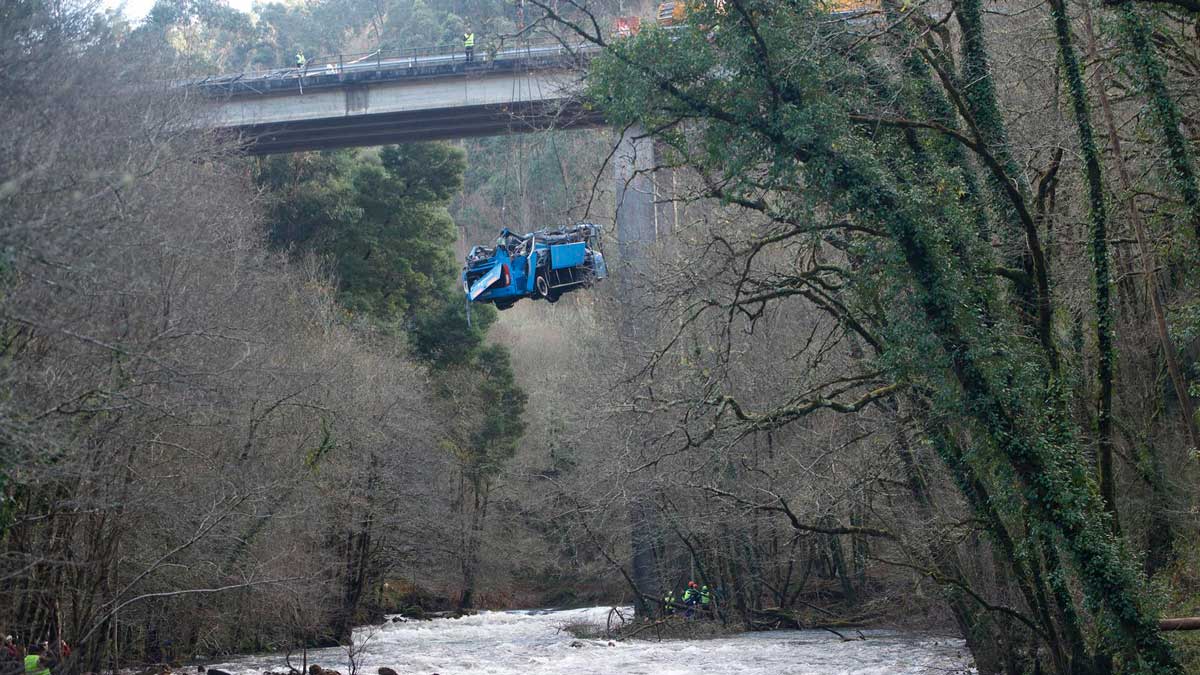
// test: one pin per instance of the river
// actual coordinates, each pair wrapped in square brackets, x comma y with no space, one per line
[532,642]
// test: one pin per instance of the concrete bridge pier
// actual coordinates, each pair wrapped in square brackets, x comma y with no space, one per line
[636,213]
[636,232]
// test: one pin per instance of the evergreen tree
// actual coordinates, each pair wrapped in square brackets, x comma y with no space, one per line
[380,217]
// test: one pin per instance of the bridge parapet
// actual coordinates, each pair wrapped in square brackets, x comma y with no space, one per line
[385,66]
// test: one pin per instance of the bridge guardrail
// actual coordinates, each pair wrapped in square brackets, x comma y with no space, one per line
[381,60]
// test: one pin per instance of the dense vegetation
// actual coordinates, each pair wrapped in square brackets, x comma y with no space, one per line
[239,395]
[916,344]
[948,288]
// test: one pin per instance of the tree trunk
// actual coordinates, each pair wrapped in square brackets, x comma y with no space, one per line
[1152,75]
[1149,264]
[980,97]
[1098,215]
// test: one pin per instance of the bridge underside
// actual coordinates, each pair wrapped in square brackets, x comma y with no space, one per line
[415,125]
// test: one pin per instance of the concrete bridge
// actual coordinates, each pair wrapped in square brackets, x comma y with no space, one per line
[397,97]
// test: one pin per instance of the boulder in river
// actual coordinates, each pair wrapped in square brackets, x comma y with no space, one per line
[214,671]
[414,612]
[387,671]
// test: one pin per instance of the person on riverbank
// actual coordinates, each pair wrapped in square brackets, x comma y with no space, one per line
[51,658]
[10,658]
[469,44]
[690,597]
[669,603]
[35,664]
[705,602]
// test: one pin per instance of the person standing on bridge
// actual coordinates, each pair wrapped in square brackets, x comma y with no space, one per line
[469,44]
[300,60]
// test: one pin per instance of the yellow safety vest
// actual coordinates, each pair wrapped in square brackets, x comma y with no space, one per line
[468,39]
[33,667]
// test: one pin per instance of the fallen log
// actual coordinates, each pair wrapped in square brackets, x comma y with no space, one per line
[773,617]
[655,625]
[1182,623]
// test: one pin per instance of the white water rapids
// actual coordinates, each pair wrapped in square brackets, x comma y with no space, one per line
[532,642]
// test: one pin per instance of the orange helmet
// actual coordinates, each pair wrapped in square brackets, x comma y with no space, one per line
[692,584]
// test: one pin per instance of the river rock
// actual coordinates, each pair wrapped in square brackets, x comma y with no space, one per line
[387,671]
[214,671]
[413,612]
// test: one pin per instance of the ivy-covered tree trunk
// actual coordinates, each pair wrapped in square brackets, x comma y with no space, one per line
[998,645]
[1098,216]
[975,95]
[1059,493]
[979,94]
[1160,544]
[1149,265]
[1150,71]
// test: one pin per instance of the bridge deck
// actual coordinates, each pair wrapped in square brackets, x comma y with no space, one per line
[387,98]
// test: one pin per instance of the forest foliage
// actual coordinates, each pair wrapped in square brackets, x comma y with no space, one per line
[915,345]
[231,385]
[863,171]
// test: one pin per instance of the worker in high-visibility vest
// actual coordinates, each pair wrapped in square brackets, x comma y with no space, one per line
[34,663]
[300,61]
[469,44]
[705,600]
[690,597]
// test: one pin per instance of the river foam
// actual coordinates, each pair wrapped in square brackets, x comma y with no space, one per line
[533,642]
